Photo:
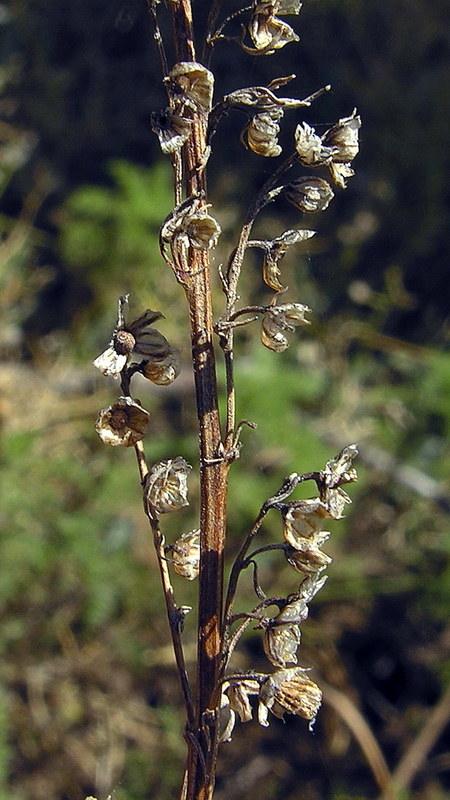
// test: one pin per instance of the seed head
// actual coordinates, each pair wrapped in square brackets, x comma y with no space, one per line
[122,424]
[309,194]
[166,485]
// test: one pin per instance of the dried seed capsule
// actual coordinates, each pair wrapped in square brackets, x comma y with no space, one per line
[261,132]
[162,372]
[309,559]
[122,424]
[278,319]
[166,485]
[281,642]
[172,130]
[202,230]
[310,148]
[302,520]
[343,138]
[309,194]
[239,694]
[186,555]
[267,32]
[193,84]
[291,691]
[275,251]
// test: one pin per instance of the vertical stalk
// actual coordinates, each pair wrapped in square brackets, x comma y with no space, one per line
[202,743]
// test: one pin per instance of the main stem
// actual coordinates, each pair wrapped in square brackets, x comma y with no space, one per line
[203,741]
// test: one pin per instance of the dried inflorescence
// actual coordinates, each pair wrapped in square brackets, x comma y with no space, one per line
[122,424]
[136,337]
[335,149]
[186,555]
[279,319]
[274,252]
[289,689]
[166,485]
[188,225]
[267,31]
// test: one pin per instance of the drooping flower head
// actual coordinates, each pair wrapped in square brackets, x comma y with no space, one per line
[135,337]
[122,424]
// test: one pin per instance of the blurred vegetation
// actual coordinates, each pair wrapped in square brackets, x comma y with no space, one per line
[89,698]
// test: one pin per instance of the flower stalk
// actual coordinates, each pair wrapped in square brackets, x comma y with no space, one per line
[215,698]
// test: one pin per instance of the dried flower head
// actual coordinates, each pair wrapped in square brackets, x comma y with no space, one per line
[289,691]
[275,251]
[302,519]
[261,133]
[192,84]
[186,555]
[343,138]
[122,424]
[267,32]
[162,372]
[280,642]
[310,148]
[339,471]
[202,230]
[166,485]
[134,337]
[278,319]
[309,194]
[189,225]
[239,693]
[308,558]
[172,130]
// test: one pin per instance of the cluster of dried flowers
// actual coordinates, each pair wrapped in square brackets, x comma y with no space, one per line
[139,348]
[289,689]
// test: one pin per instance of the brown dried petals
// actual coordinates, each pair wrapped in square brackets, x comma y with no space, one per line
[122,424]
[186,555]
[309,194]
[278,319]
[193,84]
[289,691]
[172,130]
[166,485]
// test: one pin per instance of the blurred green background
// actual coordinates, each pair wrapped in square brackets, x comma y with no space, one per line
[89,698]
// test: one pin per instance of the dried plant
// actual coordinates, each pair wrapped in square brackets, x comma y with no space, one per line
[185,129]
